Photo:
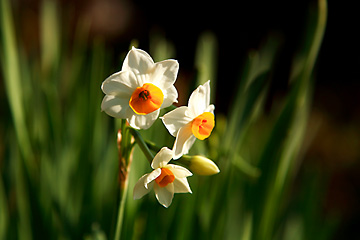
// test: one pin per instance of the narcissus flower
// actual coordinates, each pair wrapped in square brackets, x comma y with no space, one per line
[140,89]
[166,179]
[187,123]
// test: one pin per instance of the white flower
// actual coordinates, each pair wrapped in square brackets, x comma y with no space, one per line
[194,121]
[166,179]
[140,89]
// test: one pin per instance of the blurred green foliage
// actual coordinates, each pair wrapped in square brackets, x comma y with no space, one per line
[59,166]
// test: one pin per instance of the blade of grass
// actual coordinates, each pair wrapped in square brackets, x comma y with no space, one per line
[253,85]
[12,80]
[206,61]
[4,214]
[160,47]
[49,36]
[249,99]
[24,227]
[289,129]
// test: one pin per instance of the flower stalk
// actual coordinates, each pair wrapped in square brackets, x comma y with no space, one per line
[125,146]
[142,144]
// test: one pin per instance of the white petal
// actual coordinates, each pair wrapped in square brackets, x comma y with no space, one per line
[176,119]
[181,185]
[120,84]
[143,121]
[164,73]
[151,177]
[210,108]
[139,188]
[179,171]
[184,140]
[164,195]
[137,61]
[170,96]
[162,158]
[200,99]
[115,107]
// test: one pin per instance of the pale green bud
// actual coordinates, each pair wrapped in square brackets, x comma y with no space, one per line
[200,165]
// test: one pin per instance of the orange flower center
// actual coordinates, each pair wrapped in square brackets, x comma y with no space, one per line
[165,177]
[146,99]
[202,125]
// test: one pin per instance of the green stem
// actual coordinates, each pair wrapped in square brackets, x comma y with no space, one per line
[184,160]
[123,195]
[124,147]
[152,146]
[143,146]
[124,151]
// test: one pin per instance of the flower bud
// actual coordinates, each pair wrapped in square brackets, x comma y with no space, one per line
[203,166]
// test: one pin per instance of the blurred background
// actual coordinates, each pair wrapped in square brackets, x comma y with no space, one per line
[58,159]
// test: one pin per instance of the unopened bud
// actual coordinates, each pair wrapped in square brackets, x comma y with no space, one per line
[203,166]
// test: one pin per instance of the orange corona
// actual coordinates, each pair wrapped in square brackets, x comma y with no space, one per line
[165,177]
[146,99]
[202,125]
